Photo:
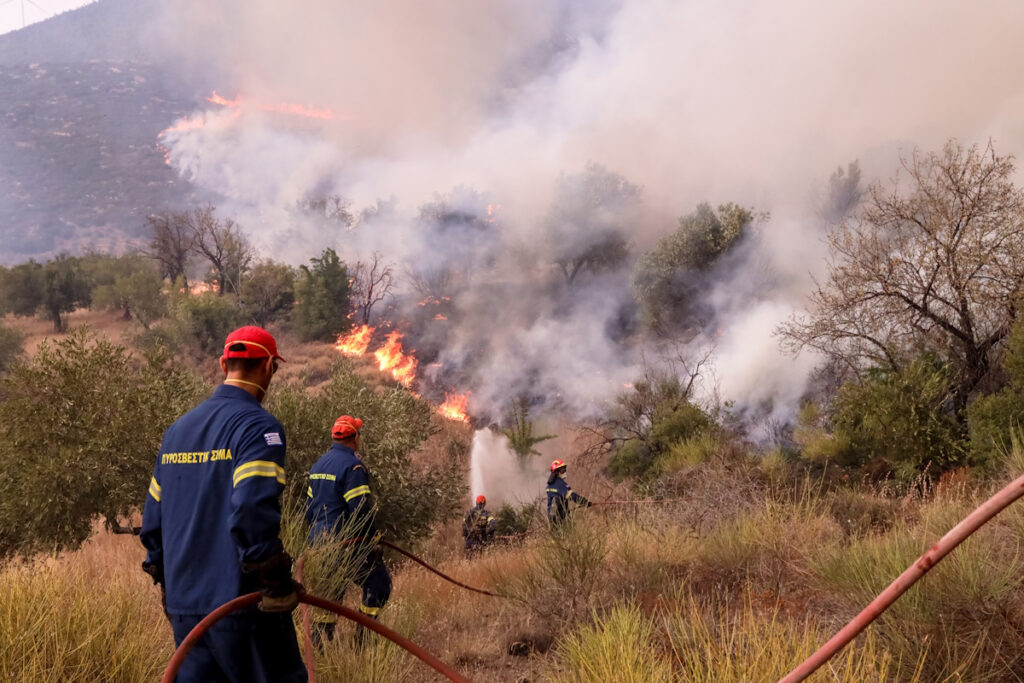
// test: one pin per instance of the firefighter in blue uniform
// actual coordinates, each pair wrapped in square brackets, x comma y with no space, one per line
[560,494]
[212,520]
[339,502]
[478,527]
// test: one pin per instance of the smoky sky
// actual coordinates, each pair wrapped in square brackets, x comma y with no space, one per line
[750,102]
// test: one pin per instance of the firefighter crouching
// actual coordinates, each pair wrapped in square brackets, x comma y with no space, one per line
[560,494]
[478,527]
[339,506]
[212,519]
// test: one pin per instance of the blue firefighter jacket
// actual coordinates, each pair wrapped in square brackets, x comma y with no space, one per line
[214,500]
[559,496]
[338,497]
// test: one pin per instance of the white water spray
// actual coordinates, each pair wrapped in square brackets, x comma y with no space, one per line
[498,473]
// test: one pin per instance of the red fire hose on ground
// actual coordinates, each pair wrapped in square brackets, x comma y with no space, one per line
[904,581]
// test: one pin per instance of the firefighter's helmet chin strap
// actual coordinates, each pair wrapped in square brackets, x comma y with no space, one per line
[232,380]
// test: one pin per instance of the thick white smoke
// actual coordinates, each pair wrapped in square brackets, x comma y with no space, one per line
[700,100]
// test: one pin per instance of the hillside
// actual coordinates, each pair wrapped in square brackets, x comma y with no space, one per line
[83,97]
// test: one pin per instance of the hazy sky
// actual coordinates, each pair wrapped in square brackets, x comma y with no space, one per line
[14,12]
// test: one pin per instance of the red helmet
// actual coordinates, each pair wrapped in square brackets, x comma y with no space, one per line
[481,500]
[557,465]
[345,426]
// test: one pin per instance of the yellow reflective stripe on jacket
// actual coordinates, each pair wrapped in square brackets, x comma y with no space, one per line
[552,490]
[369,611]
[363,490]
[321,475]
[259,468]
[309,491]
[154,489]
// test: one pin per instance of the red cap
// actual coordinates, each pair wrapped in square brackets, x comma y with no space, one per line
[250,342]
[481,500]
[557,465]
[345,426]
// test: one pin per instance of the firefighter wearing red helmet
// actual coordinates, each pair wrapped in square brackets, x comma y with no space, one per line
[560,494]
[340,506]
[478,527]
[212,520]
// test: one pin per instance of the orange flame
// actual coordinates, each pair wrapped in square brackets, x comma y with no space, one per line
[356,342]
[390,358]
[223,101]
[454,406]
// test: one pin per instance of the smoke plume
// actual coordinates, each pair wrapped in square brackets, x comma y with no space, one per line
[485,111]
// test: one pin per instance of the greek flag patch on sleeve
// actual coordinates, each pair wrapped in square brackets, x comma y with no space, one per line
[273,438]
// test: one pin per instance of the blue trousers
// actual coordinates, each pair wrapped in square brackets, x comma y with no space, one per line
[247,647]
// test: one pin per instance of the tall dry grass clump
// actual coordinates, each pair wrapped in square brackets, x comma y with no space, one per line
[88,616]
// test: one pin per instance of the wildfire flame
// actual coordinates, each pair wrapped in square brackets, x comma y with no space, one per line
[391,358]
[235,108]
[454,406]
[402,366]
[356,342]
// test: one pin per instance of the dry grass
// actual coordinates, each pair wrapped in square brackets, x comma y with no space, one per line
[746,573]
[88,616]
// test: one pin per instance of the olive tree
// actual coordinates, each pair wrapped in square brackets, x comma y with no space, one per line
[82,424]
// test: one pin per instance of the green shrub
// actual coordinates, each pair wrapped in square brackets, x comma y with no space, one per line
[993,418]
[82,425]
[396,422]
[515,519]
[899,422]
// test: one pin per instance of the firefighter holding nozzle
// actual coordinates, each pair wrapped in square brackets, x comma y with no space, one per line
[560,495]
[478,527]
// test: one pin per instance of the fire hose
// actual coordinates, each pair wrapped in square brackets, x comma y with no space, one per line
[253,598]
[954,537]
[307,599]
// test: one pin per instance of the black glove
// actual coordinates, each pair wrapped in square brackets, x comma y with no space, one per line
[280,592]
[156,571]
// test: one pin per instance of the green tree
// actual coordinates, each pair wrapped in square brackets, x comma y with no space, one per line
[21,288]
[206,319]
[588,221]
[130,284]
[65,288]
[268,291]
[520,432]
[665,279]
[411,499]
[322,292]
[82,426]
